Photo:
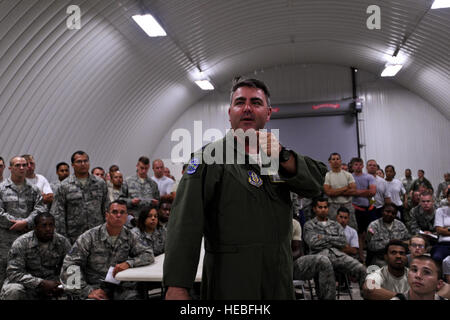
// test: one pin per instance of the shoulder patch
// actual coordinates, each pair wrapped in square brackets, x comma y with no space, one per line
[254,179]
[193,165]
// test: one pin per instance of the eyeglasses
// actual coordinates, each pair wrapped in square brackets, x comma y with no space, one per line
[415,245]
[81,161]
[20,165]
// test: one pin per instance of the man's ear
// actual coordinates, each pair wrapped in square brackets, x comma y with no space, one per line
[440,284]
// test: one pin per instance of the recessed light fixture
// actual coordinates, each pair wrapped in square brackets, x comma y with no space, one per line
[439,4]
[391,70]
[205,84]
[149,25]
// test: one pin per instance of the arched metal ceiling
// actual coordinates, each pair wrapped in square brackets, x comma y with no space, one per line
[111,90]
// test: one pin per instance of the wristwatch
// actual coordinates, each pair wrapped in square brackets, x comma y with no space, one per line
[284,155]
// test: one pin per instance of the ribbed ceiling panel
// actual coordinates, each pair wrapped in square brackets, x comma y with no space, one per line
[113,91]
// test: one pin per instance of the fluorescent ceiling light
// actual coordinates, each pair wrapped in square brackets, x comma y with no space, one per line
[391,70]
[205,84]
[438,4]
[149,25]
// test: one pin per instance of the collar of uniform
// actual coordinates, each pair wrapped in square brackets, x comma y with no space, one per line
[12,185]
[104,235]
[35,242]
[137,178]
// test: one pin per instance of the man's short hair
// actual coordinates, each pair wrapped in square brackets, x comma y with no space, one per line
[343,209]
[1,159]
[144,160]
[121,202]
[426,193]
[80,153]
[423,172]
[99,168]
[318,199]
[27,157]
[428,258]
[61,164]
[390,205]
[11,160]
[356,159]
[334,154]
[113,168]
[239,82]
[395,242]
[156,160]
[42,215]
[419,236]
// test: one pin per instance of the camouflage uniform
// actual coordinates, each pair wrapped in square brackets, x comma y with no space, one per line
[29,264]
[134,188]
[326,240]
[16,204]
[421,220]
[55,185]
[379,235]
[320,268]
[78,208]
[155,240]
[94,254]
[440,195]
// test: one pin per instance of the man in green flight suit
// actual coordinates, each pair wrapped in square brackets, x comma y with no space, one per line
[242,212]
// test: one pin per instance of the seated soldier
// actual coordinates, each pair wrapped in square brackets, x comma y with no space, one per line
[343,216]
[381,231]
[424,279]
[326,237]
[105,250]
[384,283]
[34,262]
[442,224]
[312,266]
[417,247]
[149,230]
[422,217]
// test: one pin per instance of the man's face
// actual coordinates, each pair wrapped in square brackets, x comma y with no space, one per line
[380,173]
[321,210]
[420,174]
[2,167]
[18,168]
[167,172]
[416,197]
[342,218]
[344,167]
[158,169]
[142,169]
[164,211]
[45,229]
[423,277]
[117,179]
[63,172]
[396,257]
[249,109]
[81,164]
[389,214]
[417,247]
[99,173]
[372,167]
[116,216]
[407,173]
[426,202]
[335,162]
[447,177]
[357,167]
[31,166]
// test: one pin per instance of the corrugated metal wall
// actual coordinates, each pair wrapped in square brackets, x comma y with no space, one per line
[397,127]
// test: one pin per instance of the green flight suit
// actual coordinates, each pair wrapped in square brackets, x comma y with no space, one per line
[246,223]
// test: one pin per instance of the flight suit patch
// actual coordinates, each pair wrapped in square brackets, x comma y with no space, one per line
[193,165]
[254,179]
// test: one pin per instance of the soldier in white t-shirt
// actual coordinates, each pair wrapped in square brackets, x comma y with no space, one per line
[165,184]
[38,180]
[339,186]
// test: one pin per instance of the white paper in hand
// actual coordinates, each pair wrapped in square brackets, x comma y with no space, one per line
[109,276]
